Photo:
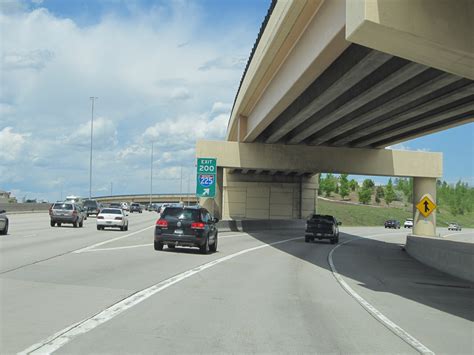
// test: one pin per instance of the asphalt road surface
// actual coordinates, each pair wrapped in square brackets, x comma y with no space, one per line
[79,290]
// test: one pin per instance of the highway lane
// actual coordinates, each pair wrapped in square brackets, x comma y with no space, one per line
[281,298]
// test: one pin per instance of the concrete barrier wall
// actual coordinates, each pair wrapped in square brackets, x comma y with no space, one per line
[259,224]
[24,207]
[454,258]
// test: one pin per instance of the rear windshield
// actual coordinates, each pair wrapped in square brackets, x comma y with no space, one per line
[135,205]
[111,211]
[319,218]
[90,203]
[62,206]
[181,213]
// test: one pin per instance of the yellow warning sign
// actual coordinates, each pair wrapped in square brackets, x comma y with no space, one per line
[426,206]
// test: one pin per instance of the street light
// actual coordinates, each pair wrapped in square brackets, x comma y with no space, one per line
[151,173]
[93,98]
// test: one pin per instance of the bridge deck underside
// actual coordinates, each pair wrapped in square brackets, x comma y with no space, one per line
[370,99]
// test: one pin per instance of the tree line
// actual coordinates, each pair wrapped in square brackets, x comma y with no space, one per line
[457,198]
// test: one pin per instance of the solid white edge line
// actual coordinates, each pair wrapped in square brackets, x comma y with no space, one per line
[59,339]
[111,240]
[397,330]
[449,235]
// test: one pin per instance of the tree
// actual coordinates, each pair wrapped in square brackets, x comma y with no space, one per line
[379,193]
[353,185]
[328,185]
[364,195]
[389,193]
[344,186]
[368,183]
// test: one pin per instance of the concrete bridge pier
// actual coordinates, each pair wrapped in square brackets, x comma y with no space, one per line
[424,186]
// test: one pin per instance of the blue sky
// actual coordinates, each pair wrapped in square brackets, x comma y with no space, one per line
[164,71]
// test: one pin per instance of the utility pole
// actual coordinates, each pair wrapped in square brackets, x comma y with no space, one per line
[151,173]
[181,185]
[93,98]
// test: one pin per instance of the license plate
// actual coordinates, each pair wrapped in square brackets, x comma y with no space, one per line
[318,234]
[108,222]
[178,231]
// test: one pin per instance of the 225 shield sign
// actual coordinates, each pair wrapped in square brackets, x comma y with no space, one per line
[206,177]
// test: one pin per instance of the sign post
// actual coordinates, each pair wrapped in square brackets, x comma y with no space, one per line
[206,177]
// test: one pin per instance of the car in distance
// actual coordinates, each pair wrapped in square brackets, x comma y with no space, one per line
[135,207]
[66,212]
[3,222]
[125,206]
[115,205]
[454,227]
[113,218]
[322,227]
[92,207]
[408,223]
[392,223]
[186,226]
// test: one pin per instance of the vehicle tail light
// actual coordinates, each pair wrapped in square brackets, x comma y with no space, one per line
[118,218]
[198,225]
[162,223]
[100,217]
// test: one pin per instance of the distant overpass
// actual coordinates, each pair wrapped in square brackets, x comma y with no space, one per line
[145,199]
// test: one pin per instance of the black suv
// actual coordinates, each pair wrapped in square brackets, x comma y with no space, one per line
[322,227]
[186,226]
[92,207]
[135,207]
[392,223]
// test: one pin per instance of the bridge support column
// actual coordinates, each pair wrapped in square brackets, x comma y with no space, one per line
[423,186]
[254,196]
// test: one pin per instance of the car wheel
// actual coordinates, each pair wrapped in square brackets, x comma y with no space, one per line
[171,246]
[333,240]
[126,227]
[122,228]
[158,246]
[98,228]
[5,230]
[52,224]
[213,247]
[81,224]
[205,248]
[306,239]
[59,224]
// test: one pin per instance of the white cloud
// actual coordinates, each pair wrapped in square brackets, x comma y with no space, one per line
[11,144]
[402,146]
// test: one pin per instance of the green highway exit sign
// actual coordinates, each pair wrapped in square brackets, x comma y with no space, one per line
[206,177]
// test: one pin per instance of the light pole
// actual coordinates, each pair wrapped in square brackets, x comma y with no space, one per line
[93,98]
[151,173]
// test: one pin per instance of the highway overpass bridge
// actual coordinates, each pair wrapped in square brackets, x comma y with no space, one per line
[145,199]
[328,86]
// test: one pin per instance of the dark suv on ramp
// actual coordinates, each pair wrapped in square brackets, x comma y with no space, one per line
[186,226]
[322,227]
[92,207]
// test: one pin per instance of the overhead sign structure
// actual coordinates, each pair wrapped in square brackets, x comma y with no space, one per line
[426,206]
[206,177]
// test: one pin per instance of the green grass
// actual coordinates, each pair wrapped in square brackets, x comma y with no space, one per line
[355,215]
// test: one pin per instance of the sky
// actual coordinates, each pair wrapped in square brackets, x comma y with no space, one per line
[163,71]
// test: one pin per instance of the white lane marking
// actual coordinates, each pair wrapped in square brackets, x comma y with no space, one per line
[111,240]
[232,235]
[59,339]
[397,330]
[449,235]
[118,248]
